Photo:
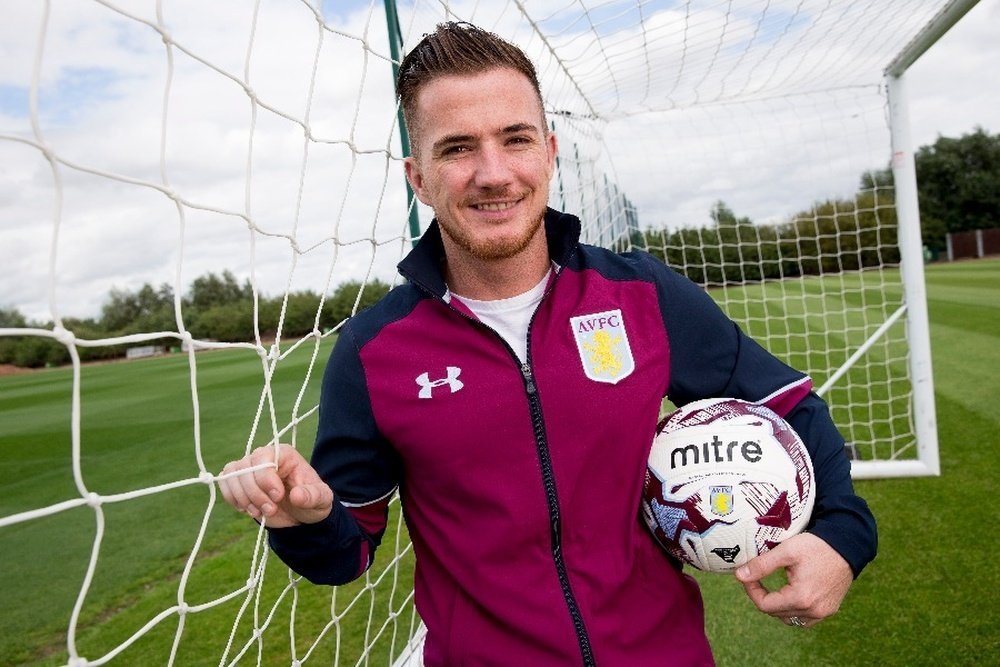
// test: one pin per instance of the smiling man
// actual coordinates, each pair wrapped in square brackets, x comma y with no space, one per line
[483,162]
[510,389]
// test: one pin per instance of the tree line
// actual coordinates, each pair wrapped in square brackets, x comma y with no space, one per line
[216,307]
[833,236]
[958,183]
[958,188]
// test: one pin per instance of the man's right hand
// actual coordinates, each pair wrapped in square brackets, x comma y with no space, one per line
[287,494]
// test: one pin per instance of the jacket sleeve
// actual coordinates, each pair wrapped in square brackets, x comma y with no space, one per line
[841,517]
[353,458]
[711,357]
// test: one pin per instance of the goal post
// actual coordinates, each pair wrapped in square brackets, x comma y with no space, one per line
[760,148]
[911,250]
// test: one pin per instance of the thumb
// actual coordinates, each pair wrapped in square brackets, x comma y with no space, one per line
[311,496]
[757,568]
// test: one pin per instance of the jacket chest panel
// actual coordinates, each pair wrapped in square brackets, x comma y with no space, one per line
[599,432]
[450,397]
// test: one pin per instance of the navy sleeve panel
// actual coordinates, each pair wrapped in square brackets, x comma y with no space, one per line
[711,357]
[353,458]
[841,518]
[350,454]
[329,552]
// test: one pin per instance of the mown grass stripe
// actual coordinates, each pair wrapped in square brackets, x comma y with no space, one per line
[925,600]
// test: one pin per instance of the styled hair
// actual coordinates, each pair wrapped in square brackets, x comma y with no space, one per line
[456,49]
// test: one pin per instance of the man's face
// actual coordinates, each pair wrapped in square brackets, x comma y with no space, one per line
[484,161]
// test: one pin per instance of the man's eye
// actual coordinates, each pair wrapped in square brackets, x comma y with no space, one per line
[455,150]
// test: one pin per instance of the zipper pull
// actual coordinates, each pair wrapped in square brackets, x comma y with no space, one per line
[529,381]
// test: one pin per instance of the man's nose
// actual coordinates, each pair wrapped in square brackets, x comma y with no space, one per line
[493,168]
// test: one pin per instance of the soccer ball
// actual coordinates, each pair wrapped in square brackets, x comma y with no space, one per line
[727,480]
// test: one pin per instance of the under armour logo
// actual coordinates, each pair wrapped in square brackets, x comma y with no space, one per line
[427,385]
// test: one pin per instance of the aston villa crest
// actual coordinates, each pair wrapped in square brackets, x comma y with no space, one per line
[721,500]
[603,345]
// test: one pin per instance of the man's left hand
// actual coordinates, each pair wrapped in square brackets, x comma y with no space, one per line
[818,579]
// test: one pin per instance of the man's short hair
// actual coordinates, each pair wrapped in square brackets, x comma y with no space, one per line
[456,49]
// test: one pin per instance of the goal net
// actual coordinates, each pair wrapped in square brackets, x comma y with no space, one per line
[748,144]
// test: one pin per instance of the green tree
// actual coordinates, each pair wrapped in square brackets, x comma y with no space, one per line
[958,184]
[212,290]
[341,304]
[36,351]
[841,235]
[732,250]
[148,309]
[749,252]
[90,329]
[28,351]
[299,316]
[227,322]
[10,318]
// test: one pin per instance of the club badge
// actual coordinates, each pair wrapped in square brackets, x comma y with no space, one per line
[603,345]
[721,500]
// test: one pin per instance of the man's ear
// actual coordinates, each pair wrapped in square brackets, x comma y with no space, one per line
[415,177]
[552,146]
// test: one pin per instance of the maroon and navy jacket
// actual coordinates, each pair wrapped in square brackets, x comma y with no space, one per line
[520,482]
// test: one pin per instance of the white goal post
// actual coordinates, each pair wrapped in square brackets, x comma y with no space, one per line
[761,147]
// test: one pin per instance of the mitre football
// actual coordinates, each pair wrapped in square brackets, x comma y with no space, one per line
[726,480]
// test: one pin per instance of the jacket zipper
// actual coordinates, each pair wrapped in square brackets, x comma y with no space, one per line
[555,522]
[548,477]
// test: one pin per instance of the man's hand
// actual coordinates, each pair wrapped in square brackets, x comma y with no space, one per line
[818,579]
[288,493]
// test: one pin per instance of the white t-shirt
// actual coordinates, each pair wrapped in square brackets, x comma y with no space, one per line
[509,317]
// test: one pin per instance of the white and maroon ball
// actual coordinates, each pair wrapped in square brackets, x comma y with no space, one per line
[726,481]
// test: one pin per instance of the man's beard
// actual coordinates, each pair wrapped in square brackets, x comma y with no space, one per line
[492,249]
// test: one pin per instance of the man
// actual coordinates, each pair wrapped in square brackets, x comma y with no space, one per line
[519,461]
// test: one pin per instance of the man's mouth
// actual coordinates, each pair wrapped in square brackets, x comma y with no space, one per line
[495,206]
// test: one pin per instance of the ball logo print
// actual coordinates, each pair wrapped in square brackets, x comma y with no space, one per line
[726,481]
[721,500]
[728,555]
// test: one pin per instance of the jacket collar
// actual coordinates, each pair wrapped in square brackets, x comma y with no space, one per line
[423,266]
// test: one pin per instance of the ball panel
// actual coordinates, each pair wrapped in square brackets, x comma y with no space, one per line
[727,480]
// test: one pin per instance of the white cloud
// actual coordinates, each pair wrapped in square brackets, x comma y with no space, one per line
[102,108]
[340,198]
[779,150]
[951,87]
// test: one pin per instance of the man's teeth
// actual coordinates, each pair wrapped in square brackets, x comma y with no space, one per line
[503,206]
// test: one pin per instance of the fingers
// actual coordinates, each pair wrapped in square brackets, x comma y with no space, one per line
[252,484]
[818,579]
[277,485]
[781,603]
[750,575]
[763,565]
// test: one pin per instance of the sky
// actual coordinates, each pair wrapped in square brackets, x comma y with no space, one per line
[240,188]
[950,86]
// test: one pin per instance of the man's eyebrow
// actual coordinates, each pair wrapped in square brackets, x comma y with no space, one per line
[452,139]
[519,127]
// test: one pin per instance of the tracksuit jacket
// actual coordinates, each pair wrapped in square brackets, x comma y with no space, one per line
[520,483]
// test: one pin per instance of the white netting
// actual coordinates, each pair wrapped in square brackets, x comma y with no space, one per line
[146,142]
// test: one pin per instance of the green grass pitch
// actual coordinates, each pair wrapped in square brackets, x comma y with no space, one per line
[928,599]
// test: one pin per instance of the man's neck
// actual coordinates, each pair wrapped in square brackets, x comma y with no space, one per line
[487,280]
